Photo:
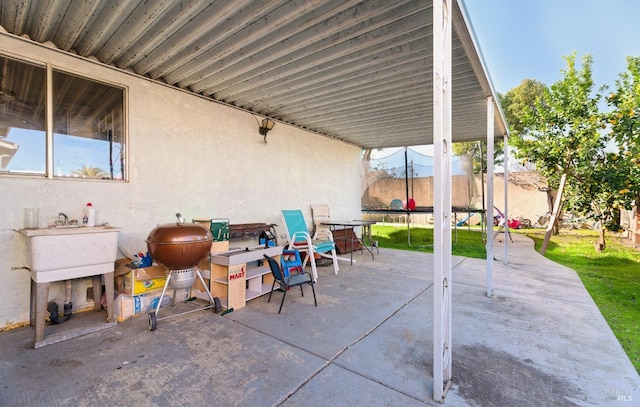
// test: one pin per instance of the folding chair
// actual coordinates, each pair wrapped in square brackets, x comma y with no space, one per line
[296,279]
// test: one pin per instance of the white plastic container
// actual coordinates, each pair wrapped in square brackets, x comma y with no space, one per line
[89,215]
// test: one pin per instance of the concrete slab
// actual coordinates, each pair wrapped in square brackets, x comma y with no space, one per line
[539,341]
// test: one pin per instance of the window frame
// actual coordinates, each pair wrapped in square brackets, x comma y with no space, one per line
[49,122]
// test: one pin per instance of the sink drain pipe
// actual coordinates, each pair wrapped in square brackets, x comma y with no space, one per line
[52,307]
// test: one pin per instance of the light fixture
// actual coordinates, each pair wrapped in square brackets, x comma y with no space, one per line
[267,125]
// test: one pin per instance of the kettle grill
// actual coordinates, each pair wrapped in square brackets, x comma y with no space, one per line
[180,247]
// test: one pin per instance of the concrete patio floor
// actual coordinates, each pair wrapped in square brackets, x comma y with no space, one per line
[540,341]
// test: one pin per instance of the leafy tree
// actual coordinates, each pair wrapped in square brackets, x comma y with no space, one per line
[610,181]
[561,135]
[624,121]
[519,101]
[516,105]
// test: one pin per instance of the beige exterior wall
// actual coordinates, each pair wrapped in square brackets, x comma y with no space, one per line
[383,191]
[185,154]
[524,197]
[630,221]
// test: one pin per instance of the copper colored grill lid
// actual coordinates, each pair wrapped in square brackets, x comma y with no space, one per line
[179,245]
[172,233]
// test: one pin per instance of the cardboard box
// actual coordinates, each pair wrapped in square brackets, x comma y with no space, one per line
[137,281]
[127,306]
[217,247]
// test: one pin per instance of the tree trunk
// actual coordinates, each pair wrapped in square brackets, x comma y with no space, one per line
[554,215]
[558,224]
[600,245]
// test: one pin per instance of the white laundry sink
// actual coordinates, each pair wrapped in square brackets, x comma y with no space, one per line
[57,254]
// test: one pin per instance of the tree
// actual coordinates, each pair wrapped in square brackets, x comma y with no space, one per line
[519,101]
[561,134]
[611,182]
[90,172]
[624,121]
[516,104]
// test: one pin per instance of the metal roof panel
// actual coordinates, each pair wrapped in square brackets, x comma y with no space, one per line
[357,71]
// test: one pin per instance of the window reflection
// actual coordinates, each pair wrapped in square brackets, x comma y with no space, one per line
[88,128]
[22,117]
[88,124]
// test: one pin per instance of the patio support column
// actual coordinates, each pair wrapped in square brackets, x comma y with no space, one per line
[442,357]
[490,160]
[507,237]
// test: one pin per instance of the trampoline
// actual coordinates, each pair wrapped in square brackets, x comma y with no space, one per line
[414,180]
[423,210]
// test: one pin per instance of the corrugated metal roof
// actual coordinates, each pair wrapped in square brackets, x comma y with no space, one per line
[358,71]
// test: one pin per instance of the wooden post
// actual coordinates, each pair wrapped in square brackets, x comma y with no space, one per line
[42,297]
[109,292]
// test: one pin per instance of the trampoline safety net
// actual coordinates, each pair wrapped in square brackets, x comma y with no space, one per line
[408,174]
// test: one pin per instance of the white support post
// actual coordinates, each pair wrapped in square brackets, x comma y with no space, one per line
[490,160]
[507,236]
[442,283]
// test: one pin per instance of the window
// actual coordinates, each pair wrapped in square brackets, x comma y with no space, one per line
[88,134]
[22,117]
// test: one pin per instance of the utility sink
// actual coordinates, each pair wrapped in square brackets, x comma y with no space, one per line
[61,253]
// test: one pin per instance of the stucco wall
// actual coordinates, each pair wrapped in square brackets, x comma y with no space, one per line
[185,154]
[383,191]
[524,197]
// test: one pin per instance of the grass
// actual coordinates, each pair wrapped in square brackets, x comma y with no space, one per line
[464,242]
[612,277]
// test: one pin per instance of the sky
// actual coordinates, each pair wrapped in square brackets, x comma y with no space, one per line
[527,39]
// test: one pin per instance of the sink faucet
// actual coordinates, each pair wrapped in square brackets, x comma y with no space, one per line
[63,216]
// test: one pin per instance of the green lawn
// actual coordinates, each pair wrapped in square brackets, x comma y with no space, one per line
[612,277]
[464,242]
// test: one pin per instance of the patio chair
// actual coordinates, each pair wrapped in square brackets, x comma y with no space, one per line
[345,239]
[295,279]
[299,238]
[319,214]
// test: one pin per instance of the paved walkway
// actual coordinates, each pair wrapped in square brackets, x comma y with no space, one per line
[540,341]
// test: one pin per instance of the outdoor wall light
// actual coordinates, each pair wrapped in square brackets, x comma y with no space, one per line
[267,125]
